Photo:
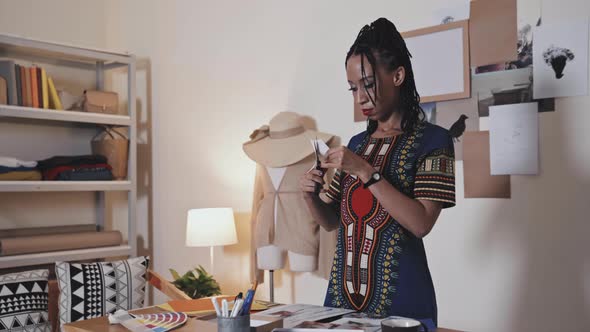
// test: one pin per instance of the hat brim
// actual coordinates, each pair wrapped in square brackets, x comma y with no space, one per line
[285,151]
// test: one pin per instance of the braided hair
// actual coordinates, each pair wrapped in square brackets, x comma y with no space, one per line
[380,42]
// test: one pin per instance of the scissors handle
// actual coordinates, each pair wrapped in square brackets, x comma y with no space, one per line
[318,187]
[318,166]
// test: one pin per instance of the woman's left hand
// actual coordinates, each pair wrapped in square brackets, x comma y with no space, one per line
[344,159]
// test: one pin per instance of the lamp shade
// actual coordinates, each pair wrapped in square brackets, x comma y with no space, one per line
[210,227]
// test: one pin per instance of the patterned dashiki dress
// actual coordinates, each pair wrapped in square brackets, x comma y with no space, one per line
[379,267]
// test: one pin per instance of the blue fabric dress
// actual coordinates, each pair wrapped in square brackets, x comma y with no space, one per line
[379,267]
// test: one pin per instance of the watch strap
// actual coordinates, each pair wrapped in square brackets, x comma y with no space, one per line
[372,180]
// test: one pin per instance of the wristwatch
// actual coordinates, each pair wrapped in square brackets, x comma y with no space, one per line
[375,177]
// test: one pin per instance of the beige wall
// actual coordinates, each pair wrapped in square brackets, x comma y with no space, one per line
[217,70]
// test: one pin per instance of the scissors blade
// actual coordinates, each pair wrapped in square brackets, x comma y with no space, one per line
[316,147]
[318,164]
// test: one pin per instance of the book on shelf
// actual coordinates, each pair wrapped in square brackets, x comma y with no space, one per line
[44,88]
[3,91]
[7,71]
[23,87]
[39,88]
[29,85]
[54,101]
[19,95]
[34,88]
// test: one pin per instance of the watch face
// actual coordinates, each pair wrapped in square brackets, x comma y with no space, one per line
[376,176]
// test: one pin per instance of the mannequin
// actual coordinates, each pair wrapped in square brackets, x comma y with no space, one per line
[272,257]
[282,227]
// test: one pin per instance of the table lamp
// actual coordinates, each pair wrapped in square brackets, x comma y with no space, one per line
[210,227]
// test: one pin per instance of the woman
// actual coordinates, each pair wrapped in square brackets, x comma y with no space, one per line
[390,185]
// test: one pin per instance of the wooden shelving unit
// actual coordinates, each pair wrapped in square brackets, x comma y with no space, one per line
[67,255]
[26,49]
[20,112]
[24,186]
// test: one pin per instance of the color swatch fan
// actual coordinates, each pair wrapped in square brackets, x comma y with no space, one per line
[148,322]
[162,322]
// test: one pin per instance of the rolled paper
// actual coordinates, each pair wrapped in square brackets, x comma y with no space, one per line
[35,231]
[57,242]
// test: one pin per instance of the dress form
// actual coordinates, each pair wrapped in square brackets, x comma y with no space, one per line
[271,257]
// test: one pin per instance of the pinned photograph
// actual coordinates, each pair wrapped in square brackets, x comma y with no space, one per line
[528,16]
[456,10]
[507,87]
[557,57]
[430,111]
[560,57]
[524,49]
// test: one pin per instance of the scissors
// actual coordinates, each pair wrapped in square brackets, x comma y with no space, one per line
[318,164]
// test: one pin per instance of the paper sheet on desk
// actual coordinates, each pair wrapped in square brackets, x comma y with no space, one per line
[310,330]
[352,323]
[295,314]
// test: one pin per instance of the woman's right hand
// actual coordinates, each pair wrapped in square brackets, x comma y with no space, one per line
[308,181]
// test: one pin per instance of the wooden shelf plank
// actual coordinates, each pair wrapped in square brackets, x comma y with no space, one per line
[19,45]
[21,112]
[39,186]
[67,255]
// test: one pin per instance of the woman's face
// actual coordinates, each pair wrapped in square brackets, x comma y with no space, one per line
[363,88]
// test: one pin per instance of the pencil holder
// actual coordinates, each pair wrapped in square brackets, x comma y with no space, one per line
[233,324]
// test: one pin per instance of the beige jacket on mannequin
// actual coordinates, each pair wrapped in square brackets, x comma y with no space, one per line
[294,228]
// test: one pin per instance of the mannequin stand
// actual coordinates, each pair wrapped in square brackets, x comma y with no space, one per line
[272,285]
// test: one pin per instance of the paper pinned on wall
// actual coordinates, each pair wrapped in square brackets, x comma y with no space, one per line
[560,60]
[507,87]
[440,60]
[493,32]
[528,16]
[478,181]
[514,139]
[449,112]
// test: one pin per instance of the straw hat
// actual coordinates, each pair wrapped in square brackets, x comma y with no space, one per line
[283,142]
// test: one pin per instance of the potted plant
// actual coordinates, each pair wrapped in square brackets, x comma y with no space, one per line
[196,283]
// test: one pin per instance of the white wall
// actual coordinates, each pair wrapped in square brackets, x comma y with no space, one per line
[220,69]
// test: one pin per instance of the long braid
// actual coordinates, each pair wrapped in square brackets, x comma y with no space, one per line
[381,38]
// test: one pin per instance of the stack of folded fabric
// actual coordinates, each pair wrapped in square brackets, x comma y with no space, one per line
[75,168]
[12,169]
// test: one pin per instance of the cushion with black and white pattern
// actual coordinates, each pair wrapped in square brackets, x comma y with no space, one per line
[93,290]
[23,301]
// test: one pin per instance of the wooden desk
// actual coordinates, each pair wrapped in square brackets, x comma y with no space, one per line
[102,324]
